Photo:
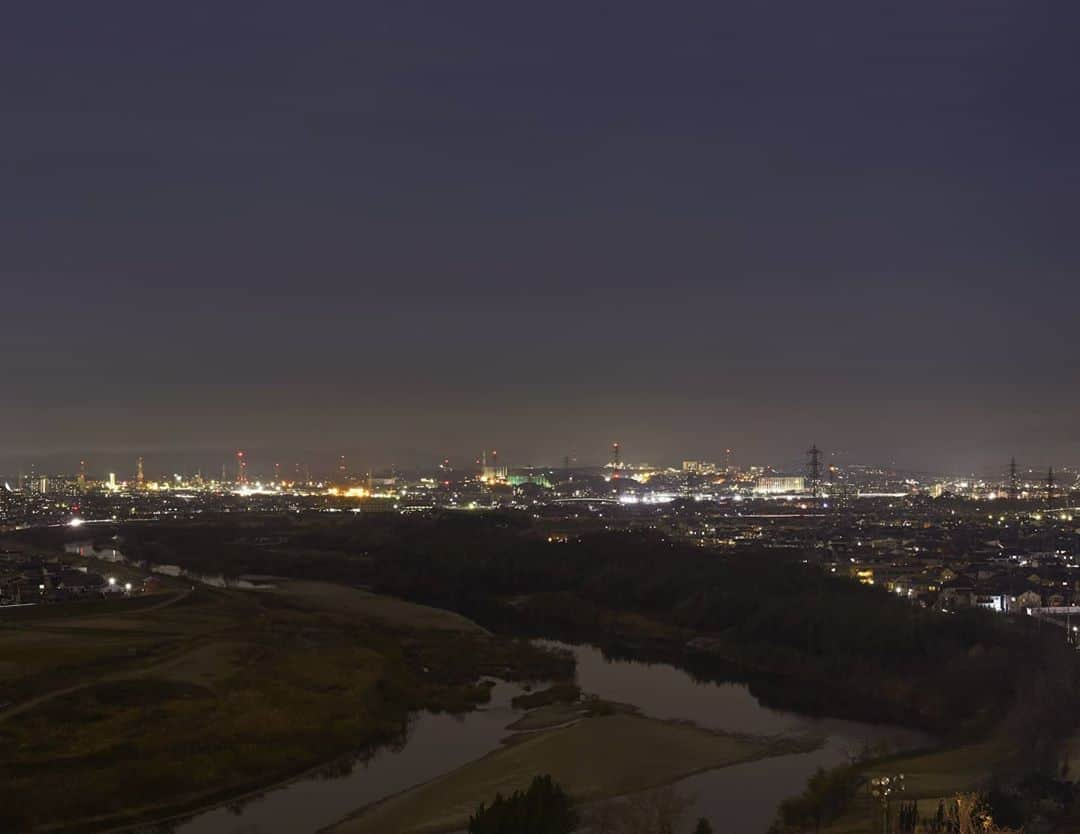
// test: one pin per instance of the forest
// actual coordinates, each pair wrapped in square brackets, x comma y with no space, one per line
[801,636]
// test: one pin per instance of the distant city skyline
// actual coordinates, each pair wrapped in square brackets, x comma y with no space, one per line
[266,465]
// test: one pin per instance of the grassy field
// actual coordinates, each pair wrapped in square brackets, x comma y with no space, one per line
[185,701]
[928,778]
[123,710]
[594,758]
[76,643]
[945,772]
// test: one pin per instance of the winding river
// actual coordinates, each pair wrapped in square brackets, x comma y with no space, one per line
[741,799]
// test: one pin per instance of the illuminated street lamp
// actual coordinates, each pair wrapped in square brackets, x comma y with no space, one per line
[882,787]
[112,581]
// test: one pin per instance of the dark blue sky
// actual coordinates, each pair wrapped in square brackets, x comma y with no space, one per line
[406,230]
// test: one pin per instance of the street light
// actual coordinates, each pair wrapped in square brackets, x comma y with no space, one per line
[882,787]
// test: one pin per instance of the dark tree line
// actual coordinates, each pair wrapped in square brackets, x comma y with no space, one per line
[859,651]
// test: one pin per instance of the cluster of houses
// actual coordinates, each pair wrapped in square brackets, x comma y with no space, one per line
[1028,567]
[26,579]
[942,557]
[1004,586]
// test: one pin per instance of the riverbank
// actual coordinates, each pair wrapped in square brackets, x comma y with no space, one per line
[595,758]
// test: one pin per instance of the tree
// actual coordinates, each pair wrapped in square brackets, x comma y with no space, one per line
[545,808]
[828,794]
[703,827]
[974,816]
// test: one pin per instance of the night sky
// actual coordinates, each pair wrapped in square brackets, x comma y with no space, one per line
[408,230]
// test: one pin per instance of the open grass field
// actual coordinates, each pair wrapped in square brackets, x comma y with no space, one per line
[945,772]
[928,778]
[123,710]
[129,712]
[79,642]
[594,758]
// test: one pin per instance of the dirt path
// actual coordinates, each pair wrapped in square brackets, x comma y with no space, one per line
[192,657]
[23,706]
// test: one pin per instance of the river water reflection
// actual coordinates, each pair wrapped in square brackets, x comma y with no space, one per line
[435,744]
[740,799]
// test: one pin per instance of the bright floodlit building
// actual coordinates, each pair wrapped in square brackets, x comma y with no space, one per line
[779,484]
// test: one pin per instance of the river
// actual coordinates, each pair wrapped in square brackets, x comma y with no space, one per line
[741,799]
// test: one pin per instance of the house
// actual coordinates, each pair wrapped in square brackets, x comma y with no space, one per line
[11,588]
[76,583]
[1028,599]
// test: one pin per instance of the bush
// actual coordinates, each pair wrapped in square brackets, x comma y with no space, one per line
[828,794]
